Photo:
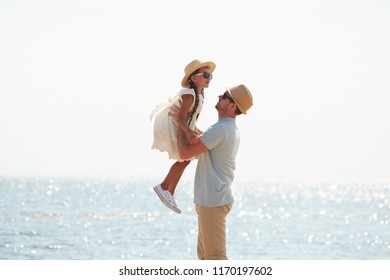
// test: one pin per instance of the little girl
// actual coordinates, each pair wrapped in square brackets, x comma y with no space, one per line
[190,98]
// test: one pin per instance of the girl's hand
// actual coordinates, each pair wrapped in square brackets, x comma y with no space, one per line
[198,131]
[192,137]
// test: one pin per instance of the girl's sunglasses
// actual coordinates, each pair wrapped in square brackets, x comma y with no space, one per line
[205,75]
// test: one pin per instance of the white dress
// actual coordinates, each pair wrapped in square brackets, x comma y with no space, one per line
[165,127]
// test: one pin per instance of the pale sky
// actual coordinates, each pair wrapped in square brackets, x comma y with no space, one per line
[78,80]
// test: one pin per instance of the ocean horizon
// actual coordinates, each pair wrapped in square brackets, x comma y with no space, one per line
[74,219]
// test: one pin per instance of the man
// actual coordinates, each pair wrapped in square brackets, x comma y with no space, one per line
[217,149]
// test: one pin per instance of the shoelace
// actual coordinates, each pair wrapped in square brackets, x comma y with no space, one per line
[168,197]
[173,200]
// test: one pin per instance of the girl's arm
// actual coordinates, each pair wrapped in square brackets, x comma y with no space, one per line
[185,149]
[187,100]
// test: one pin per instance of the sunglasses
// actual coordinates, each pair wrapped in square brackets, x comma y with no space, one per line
[226,96]
[205,75]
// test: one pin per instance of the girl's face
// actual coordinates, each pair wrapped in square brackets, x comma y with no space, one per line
[202,78]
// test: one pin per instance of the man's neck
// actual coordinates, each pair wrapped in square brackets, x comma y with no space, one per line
[222,115]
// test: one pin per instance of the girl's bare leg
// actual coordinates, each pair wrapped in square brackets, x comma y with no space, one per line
[171,180]
[173,185]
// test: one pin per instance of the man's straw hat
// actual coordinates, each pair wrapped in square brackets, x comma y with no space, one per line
[242,97]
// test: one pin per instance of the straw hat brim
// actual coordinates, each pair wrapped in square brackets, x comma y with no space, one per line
[209,64]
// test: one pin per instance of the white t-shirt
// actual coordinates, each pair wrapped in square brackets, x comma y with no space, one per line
[215,169]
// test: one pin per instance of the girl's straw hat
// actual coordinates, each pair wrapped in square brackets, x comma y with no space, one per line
[192,67]
[242,97]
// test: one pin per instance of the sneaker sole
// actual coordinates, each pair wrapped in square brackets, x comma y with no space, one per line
[165,202]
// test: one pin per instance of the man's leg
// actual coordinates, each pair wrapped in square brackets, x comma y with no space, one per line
[212,232]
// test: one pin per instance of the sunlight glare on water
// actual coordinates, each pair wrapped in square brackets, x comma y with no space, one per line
[75,219]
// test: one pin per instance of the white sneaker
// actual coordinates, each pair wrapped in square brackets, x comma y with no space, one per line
[166,198]
[174,202]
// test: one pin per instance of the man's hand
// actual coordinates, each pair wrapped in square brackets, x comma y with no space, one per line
[174,112]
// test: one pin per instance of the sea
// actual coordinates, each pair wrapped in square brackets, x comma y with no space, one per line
[86,219]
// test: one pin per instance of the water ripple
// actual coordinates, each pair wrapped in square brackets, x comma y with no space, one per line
[87,219]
